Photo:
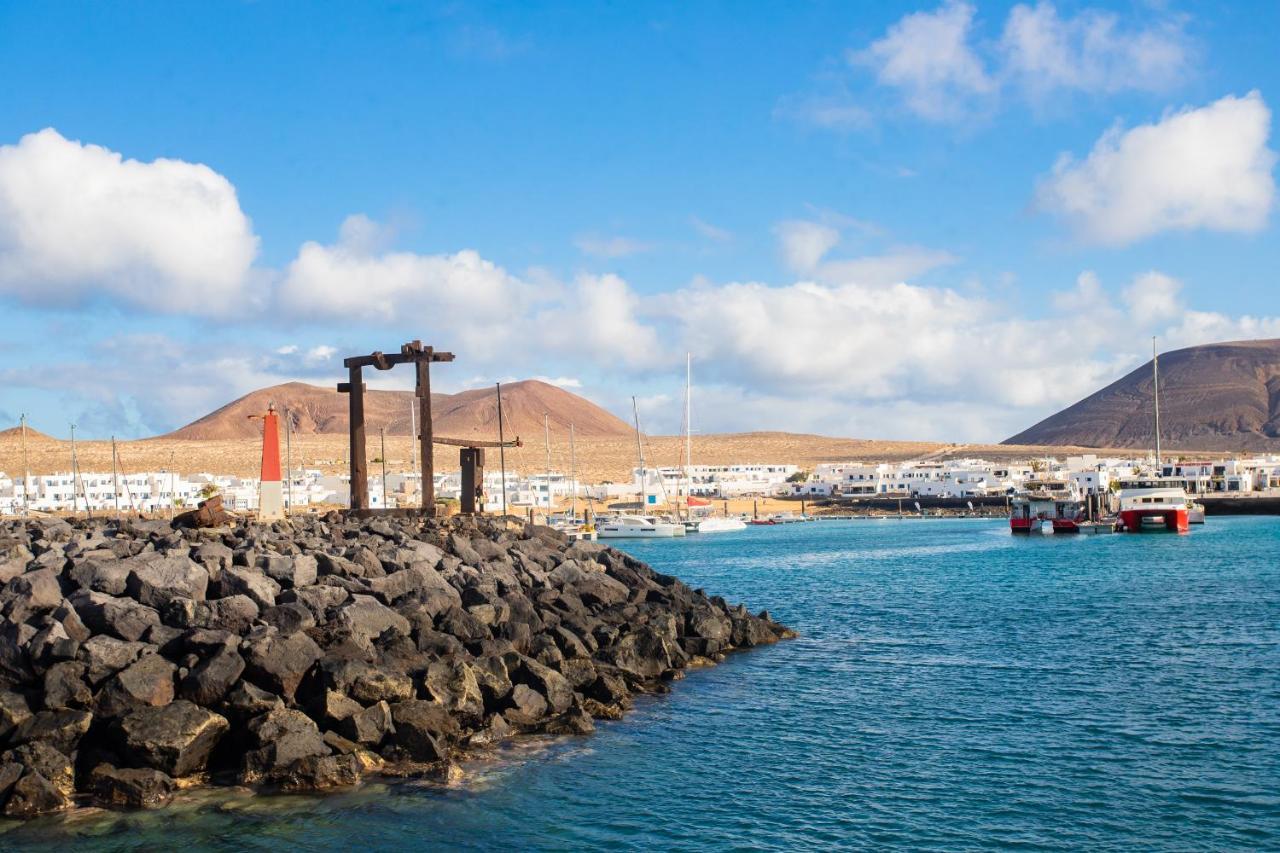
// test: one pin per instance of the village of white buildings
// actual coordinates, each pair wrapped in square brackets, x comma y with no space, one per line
[963,478]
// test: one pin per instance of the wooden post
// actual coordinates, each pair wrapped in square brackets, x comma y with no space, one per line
[424,426]
[359,461]
[471,460]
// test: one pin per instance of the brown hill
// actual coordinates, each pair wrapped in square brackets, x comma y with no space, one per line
[1213,397]
[32,434]
[470,414]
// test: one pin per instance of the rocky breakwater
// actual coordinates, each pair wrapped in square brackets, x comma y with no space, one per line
[136,658]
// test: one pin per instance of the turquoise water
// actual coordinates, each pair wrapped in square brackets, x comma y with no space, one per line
[954,687]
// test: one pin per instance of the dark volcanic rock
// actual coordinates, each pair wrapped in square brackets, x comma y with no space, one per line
[310,652]
[130,788]
[176,739]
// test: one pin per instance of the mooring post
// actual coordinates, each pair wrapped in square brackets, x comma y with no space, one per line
[359,461]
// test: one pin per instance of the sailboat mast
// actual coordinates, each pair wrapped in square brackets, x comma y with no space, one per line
[75,496]
[688,429]
[502,452]
[573,474]
[26,471]
[115,476]
[546,438]
[1155,382]
[644,480]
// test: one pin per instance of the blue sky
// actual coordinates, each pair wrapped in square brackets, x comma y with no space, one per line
[926,220]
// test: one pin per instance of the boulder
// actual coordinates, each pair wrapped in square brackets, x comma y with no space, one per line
[211,678]
[289,618]
[108,576]
[34,795]
[120,617]
[321,772]
[553,686]
[104,656]
[61,730]
[10,773]
[157,582]
[130,787]
[526,707]
[175,739]
[40,757]
[278,663]
[368,725]
[368,619]
[282,737]
[234,613]
[148,682]
[14,710]
[65,687]
[31,592]
[242,580]
[423,729]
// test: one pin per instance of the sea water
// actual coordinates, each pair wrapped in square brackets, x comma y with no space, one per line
[953,687]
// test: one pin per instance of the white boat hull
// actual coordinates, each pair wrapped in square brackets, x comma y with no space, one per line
[637,528]
[721,525]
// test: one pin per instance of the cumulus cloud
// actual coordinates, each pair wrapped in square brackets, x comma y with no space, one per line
[599,318]
[714,233]
[942,67]
[928,58]
[1091,52]
[466,297]
[1200,168]
[806,244]
[80,223]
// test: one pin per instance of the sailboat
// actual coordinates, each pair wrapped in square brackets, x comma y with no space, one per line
[638,526]
[710,524]
[1154,502]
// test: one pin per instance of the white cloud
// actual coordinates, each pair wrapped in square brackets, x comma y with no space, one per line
[804,243]
[471,301]
[1091,52]
[80,223]
[599,319]
[1153,298]
[943,68]
[610,247]
[713,233]
[928,57]
[1197,168]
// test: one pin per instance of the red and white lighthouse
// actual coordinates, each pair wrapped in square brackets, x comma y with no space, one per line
[271,490]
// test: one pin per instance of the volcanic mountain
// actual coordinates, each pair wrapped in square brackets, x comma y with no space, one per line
[1214,397]
[469,414]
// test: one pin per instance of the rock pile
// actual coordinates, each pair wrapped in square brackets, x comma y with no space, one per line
[136,658]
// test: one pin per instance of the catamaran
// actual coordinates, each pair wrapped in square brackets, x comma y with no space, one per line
[638,526]
[1155,502]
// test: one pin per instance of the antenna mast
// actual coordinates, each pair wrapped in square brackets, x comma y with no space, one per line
[26,471]
[644,479]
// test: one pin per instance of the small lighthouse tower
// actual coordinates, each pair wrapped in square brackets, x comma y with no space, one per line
[271,491]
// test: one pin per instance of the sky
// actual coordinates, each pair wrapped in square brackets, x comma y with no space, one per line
[908,221]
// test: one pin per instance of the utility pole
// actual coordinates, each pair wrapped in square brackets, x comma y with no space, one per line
[383,433]
[502,452]
[26,471]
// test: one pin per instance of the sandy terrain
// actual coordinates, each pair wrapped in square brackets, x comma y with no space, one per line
[599,459]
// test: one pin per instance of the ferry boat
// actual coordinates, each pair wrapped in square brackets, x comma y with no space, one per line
[1152,504]
[1042,504]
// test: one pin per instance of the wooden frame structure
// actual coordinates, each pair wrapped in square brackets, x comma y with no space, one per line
[411,353]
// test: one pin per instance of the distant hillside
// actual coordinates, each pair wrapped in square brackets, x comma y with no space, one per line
[470,414]
[32,434]
[1213,397]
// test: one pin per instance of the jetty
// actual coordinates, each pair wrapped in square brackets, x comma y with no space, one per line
[139,657]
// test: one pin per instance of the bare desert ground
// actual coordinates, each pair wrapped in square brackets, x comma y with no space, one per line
[598,459]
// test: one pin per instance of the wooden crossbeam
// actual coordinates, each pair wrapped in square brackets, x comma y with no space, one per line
[471,442]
